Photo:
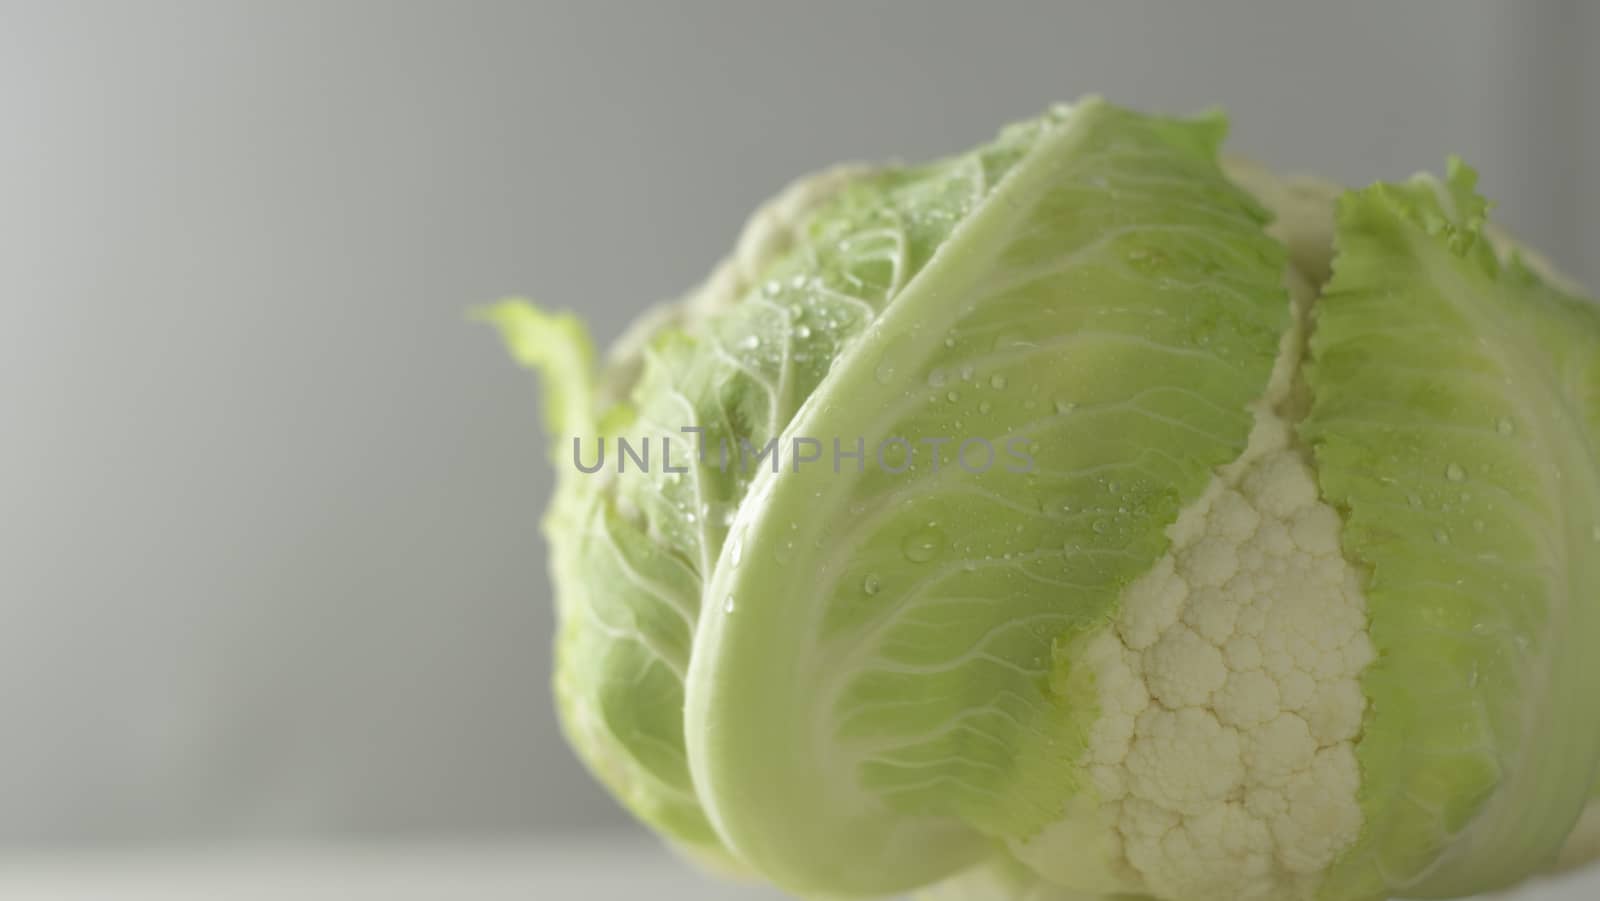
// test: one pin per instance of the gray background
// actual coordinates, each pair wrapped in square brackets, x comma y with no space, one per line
[268,555]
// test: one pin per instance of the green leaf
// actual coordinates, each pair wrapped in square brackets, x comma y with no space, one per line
[1456,399]
[631,549]
[884,681]
[557,345]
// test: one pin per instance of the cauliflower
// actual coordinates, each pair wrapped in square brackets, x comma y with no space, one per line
[1084,517]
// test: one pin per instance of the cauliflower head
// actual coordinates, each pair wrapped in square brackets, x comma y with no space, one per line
[1089,516]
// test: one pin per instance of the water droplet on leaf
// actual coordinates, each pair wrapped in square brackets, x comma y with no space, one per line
[922,545]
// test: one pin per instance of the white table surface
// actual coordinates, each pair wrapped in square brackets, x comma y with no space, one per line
[599,868]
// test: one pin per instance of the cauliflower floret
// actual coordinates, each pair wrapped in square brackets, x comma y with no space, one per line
[1229,719]
[1223,760]
[1224,755]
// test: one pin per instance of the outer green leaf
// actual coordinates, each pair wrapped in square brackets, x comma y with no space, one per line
[1456,403]
[887,677]
[631,549]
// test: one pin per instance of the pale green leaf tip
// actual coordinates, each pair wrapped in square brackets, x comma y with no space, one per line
[558,347]
[1212,122]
